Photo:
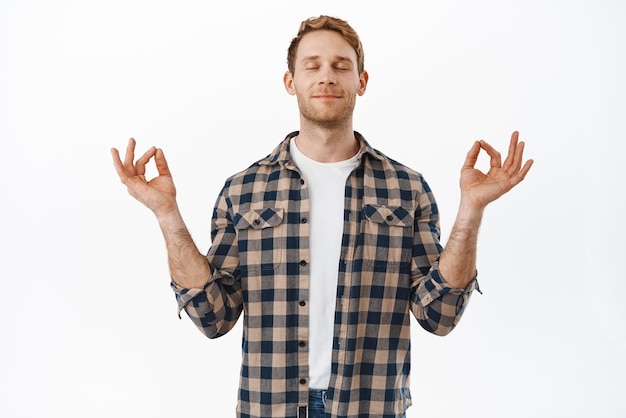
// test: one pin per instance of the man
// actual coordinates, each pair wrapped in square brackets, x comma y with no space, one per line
[326,245]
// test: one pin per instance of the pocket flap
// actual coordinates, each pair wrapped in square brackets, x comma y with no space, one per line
[389,215]
[258,218]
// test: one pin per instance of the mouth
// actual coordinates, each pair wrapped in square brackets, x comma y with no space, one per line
[326,97]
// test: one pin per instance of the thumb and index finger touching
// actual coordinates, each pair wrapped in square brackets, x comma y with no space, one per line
[472,155]
[130,168]
[513,162]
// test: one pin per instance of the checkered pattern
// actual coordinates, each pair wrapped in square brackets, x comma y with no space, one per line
[388,267]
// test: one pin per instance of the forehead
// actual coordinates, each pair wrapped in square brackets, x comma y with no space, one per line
[324,44]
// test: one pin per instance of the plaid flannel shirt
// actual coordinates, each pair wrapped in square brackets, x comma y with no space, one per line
[388,267]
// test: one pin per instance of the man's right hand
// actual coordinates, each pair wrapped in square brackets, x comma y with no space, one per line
[158,194]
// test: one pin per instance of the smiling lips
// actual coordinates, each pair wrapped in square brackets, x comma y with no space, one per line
[326,96]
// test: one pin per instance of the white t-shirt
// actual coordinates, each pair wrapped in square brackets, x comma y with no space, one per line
[326,183]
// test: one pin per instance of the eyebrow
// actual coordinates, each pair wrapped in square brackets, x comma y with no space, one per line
[317,57]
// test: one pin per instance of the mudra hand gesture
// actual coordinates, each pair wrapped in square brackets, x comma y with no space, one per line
[159,193]
[479,189]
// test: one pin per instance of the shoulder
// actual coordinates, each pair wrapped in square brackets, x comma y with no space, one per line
[264,168]
[385,166]
[387,177]
[255,173]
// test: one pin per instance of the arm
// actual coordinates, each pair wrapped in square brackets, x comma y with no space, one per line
[208,292]
[442,293]
[458,259]
[188,267]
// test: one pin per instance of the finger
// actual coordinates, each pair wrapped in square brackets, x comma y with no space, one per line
[518,157]
[140,165]
[472,156]
[161,163]
[495,157]
[511,159]
[130,155]
[519,176]
[117,163]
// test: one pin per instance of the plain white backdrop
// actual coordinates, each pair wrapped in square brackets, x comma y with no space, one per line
[87,319]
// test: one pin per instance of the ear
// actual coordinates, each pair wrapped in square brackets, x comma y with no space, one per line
[364,77]
[288,82]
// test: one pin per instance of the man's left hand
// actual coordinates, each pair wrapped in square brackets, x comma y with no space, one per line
[479,189]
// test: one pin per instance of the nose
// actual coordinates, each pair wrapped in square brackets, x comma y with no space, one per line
[327,77]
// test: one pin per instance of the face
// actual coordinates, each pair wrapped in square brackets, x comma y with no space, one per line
[326,80]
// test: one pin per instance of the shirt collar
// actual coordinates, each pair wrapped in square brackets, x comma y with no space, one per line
[281,155]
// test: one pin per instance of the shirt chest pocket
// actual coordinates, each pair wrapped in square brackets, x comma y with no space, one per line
[387,236]
[260,238]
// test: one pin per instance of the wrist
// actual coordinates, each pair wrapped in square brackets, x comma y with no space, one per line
[170,219]
[469,212]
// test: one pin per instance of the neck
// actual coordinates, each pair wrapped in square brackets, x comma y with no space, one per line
[327,144]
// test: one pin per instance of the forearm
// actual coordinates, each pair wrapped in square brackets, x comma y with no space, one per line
[458,260]
[213,305]
[188,267]
[457,264]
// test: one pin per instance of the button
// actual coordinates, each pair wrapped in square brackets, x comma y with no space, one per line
[256,222]
[389,218]
[301,181]
[303,381]
[302,303]
[303,263]
[302,344]
[303,220]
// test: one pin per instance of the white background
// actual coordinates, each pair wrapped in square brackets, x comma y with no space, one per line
[87,319]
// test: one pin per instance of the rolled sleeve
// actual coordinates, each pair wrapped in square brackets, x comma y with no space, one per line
[438,306]
[436,287]
[215,308]
[185,296]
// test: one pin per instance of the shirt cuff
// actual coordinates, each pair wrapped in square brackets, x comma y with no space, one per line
[436,287]
[198,295]
[184,295]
